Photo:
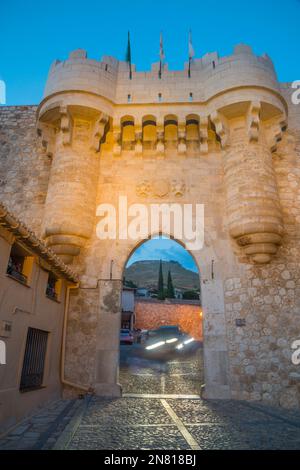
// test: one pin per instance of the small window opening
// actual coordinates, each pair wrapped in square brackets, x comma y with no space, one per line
[19,264]
[53,287]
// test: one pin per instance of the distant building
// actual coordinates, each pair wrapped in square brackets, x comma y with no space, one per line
[142,292]
[127,302]
[178,293]
[153,293]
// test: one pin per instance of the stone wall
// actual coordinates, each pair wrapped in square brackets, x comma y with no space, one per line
[151,315]
[81,337]
[24,167]
[268,297]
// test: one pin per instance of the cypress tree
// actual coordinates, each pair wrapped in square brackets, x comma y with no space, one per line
[170,289]
[160,287]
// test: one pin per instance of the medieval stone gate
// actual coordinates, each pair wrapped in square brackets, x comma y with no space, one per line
[227,137]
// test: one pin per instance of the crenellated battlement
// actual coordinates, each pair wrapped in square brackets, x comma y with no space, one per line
[210,75]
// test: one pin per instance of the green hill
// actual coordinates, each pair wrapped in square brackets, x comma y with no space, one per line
[145,274]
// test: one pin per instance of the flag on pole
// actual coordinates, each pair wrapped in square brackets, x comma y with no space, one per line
[161,54]
[128,56]
[191,52]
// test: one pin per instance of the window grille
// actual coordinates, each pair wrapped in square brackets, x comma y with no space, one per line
[34,359]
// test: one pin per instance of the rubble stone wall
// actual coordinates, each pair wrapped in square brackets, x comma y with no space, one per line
[151,315]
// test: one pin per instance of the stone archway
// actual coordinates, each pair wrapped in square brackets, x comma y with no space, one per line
[216,367]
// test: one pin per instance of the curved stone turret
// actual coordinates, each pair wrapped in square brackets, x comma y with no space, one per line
[70,203]
[72,124]
[254,212]
[253,206]
[83,74]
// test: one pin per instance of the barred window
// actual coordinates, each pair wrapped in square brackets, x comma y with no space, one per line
[53,289]
[34,359]
[20,264]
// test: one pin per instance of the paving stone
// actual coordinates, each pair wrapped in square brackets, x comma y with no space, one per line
[114,438]
[222,412]
[178,374]
[126,411]
[143,423]
[20,430]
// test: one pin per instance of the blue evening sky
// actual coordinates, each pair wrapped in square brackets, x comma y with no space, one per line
[34,33]
[165,249]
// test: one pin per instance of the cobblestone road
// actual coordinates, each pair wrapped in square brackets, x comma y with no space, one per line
[156,423]
[150,416]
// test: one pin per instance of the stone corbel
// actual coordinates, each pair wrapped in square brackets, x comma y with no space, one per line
[274,134]
[47,136]
[160,144]
[203,133]
[181,138]
[66,125]
[117,148]
[253,121]
[138,138]
[98,132]
[221,128]
[49,147]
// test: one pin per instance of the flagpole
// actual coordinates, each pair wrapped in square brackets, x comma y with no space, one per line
[130,69]
[128,56]
[191,53]
[161,56]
